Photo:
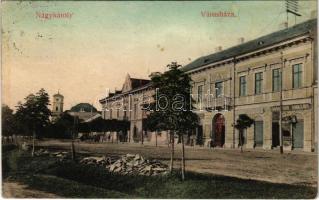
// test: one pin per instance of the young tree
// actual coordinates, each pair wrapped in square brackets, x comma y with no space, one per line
[243,122]
[173,105]
[34,114]
[154,124]
[69,125]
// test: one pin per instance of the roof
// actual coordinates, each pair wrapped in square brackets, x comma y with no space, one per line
[83,107]
[149,84]
[138,82]
[135,83]
[256,44]
[58,95]
[93,118]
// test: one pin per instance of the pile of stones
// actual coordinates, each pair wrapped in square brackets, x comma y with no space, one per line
[41,152]
[25,146]
[61,155]
[98,161]
[129,164]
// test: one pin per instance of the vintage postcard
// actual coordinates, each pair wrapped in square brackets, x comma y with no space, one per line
[159,99]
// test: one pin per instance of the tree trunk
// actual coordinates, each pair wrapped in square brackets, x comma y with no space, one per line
[72,142]
[72,149]
[33,144]
[156,138]
[241,140]
[183,158]
[195,137]
[129,136]
[172,152]
[142,137]
[117,137]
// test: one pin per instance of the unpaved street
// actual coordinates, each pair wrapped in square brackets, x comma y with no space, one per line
[17,190]
[292,168]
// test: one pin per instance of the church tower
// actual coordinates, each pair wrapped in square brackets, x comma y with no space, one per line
[57,106]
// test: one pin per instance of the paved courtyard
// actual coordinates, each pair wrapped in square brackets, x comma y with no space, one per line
[292,168]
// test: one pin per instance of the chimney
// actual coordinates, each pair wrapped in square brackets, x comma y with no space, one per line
[218,49]
[241,40]
[283,25]
[313,14]
[107,92]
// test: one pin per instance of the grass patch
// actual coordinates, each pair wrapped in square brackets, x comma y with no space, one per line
[70,179]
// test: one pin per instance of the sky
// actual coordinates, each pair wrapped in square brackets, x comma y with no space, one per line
[83,56]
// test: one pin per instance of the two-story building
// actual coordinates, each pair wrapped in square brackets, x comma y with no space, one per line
[127,104]
[259,78]
[269,78]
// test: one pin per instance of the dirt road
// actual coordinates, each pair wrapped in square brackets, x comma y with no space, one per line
[18,190]
[291,168]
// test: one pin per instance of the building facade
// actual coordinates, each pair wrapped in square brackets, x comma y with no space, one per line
[258,78]
[127,104]
[270,78]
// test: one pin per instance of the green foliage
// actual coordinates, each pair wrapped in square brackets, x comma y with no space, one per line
[63,127]
[100,125]
[243,122]
[174,111]
[7,121]
[33,115]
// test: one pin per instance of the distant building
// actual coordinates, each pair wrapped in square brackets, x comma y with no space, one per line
[125,104]
[57,106]
[84,111]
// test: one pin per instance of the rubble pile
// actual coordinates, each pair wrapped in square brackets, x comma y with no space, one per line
[128,164]
[41,152]
[25,146]
[59,154]
[98,161]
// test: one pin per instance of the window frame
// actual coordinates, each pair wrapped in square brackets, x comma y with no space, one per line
[135,111]
[241,86]
[259,81]
[221,89]
[124,113]
[299,74]
[279,77]
[200,95]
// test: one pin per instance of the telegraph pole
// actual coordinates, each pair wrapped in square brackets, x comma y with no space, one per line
[280,106]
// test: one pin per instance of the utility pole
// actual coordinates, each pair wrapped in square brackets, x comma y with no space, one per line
[234,102]
[280,106]
[292,7]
